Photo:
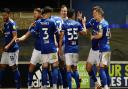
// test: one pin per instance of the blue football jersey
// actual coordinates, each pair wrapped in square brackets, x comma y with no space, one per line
[58,21]
[104,44]
[71,29]
[95,28]
[9,28]
[47,30]
[36,35]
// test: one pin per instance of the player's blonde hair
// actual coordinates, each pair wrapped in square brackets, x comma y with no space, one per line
[98,9]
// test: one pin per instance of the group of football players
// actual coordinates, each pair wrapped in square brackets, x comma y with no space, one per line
[56,47]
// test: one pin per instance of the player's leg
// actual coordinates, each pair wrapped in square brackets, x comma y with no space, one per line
[3,65]
[75,73]
[104,74]
[49,75]
[13,63]
[90,63]
[60,80]
[44,73]
[68,58]
[2,71]
[34,60]
[16,74]
[53,59]
[30,75]
[63,71]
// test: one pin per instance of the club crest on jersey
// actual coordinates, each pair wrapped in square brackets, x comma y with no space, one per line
[100,26]
[14,27]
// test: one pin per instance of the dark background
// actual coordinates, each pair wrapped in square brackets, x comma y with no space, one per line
[28,5]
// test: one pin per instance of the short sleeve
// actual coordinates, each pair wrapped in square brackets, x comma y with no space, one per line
[13,27]
[35,28]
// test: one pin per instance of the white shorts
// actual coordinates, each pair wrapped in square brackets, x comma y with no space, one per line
[93,57]
[105,58]
[36,57]
[71,58]
[10,58]
[49,58]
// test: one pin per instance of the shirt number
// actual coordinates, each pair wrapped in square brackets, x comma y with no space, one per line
[46,36]
[72,33]
[108,32]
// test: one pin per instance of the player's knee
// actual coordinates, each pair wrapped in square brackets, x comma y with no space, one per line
[102,65]
[88,67]
[74,68]
[61,64]
[68,67]
[31,67]
[55,64]
[45,65]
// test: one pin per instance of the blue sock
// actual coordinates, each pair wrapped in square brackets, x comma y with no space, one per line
[50,78]
[108,76]
[30,77]
[17,78]
[75,75]
[1,77]
[92,76]
[60,81]
[103,77]
[44,76]
[64,77]
[54,75]
[69,79]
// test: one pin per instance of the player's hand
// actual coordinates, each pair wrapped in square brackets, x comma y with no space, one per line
[84,20]
[17,40]
[92,37]
[6,47]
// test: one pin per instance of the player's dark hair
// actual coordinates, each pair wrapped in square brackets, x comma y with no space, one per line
[38,10]
[47,9]
[6,10]
[63,6]
[98,9]
[79,11]
[70,13]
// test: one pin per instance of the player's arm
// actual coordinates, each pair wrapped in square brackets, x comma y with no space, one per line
[14,33]
[24,37]
[1,29]
[86,26]
[99,33]
[97,36]
[60,42]
[27,34]
[82,29]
